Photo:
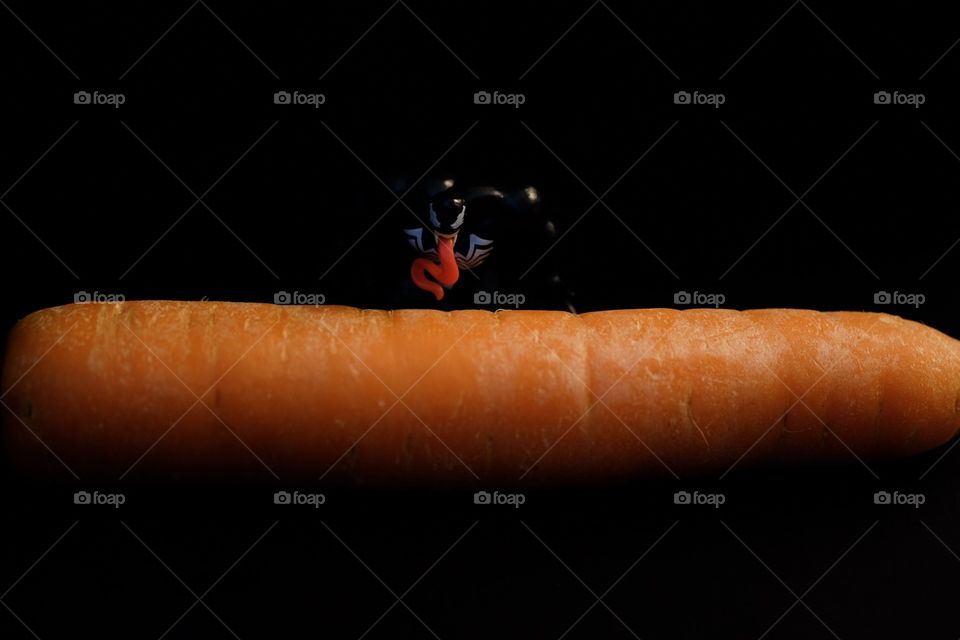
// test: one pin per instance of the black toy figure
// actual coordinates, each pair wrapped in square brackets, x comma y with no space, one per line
[480,247]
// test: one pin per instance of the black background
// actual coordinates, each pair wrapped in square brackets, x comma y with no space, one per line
[702,199]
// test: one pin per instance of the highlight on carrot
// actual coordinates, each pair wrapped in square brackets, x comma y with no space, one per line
[168,390]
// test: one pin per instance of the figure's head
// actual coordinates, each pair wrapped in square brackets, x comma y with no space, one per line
[447,212]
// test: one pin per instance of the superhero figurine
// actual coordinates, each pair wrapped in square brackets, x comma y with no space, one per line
[474,244]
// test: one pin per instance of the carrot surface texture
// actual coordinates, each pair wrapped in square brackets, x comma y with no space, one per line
[160,389]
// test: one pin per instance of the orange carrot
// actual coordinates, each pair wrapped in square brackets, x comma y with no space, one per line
[183,389]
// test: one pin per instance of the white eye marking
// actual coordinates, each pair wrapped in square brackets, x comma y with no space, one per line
[459,221]
[433,217]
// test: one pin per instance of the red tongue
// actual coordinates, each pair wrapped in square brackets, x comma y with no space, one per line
[446,273]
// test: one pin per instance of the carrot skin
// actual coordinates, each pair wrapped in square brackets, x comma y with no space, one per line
[160,390]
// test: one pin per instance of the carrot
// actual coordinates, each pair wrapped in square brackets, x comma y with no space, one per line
[184,389]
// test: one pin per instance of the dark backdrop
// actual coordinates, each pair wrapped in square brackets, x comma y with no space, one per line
[798,191]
